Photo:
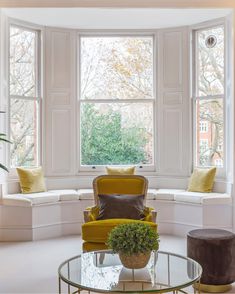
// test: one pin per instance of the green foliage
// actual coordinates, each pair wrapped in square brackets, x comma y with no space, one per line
[133,238]
[104,141]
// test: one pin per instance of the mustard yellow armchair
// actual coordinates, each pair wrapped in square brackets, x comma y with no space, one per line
[95,232]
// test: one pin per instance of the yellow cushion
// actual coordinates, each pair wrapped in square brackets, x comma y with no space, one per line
[120,170]
[97,231]
[202,180]
[31,180]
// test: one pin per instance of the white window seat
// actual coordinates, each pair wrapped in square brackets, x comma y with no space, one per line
[60,212]
[87,194]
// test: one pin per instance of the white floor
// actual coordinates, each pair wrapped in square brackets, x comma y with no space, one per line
[31,267]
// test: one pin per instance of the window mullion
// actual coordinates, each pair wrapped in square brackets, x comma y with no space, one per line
[25,98]
[117,100]
[209,97]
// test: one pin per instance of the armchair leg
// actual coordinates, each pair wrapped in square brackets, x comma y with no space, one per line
[101,258]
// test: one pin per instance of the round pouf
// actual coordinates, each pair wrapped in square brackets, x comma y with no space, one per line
[214,250]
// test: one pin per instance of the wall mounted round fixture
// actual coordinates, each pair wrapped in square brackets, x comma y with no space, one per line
[211,41]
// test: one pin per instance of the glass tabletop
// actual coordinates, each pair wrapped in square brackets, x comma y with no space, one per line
[102,271]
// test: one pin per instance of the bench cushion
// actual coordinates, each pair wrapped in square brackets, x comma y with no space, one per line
[166,194]
[202,198]
[85,194]
[15,200]
[151,194]
[38,198]
[66,195]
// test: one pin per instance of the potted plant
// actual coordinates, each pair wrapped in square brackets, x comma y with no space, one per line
[134,243]
[3,139]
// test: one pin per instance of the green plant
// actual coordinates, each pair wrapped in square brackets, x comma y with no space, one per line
[3,139]
[133,238]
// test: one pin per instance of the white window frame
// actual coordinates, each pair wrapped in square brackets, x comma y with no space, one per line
[222,171]
[39,89]
[125,33]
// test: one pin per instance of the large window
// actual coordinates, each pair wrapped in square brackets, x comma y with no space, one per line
[209,96]
[24,89]
[116,100]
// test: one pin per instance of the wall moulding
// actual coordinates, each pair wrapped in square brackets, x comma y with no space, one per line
[120,3]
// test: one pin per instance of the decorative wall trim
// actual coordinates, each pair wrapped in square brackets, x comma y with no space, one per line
[120,3]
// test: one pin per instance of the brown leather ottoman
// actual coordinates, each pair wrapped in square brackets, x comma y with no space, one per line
[214,250]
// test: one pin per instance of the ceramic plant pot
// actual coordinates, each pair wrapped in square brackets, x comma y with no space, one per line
[135,261]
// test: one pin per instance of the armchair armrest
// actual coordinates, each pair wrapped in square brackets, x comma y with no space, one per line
[150,214]
[154,216]
[90,213]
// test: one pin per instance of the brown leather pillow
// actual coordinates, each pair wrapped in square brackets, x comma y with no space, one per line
[121,206]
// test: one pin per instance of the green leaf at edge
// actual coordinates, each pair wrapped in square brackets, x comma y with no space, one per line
[5,140]
[3,167]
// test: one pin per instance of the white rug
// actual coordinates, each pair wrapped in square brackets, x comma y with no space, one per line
[31,267]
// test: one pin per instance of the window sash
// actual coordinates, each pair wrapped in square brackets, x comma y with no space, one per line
[117,35]
[216,97]
[37,97]
[100,168]
[196,56]
[221,171]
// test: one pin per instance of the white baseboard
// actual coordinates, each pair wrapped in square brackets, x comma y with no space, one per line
[40,232]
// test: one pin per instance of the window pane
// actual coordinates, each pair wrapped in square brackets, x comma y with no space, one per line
[24,133]
[22,62]
[210,62]
[210,140]
[117,133]
[116,67]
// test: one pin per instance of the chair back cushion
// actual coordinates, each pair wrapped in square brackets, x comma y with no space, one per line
[121,206]
[122,185]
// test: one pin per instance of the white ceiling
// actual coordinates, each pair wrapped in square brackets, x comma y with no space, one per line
[102,18]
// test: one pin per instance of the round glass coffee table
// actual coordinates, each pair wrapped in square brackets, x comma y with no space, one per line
[102,272]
